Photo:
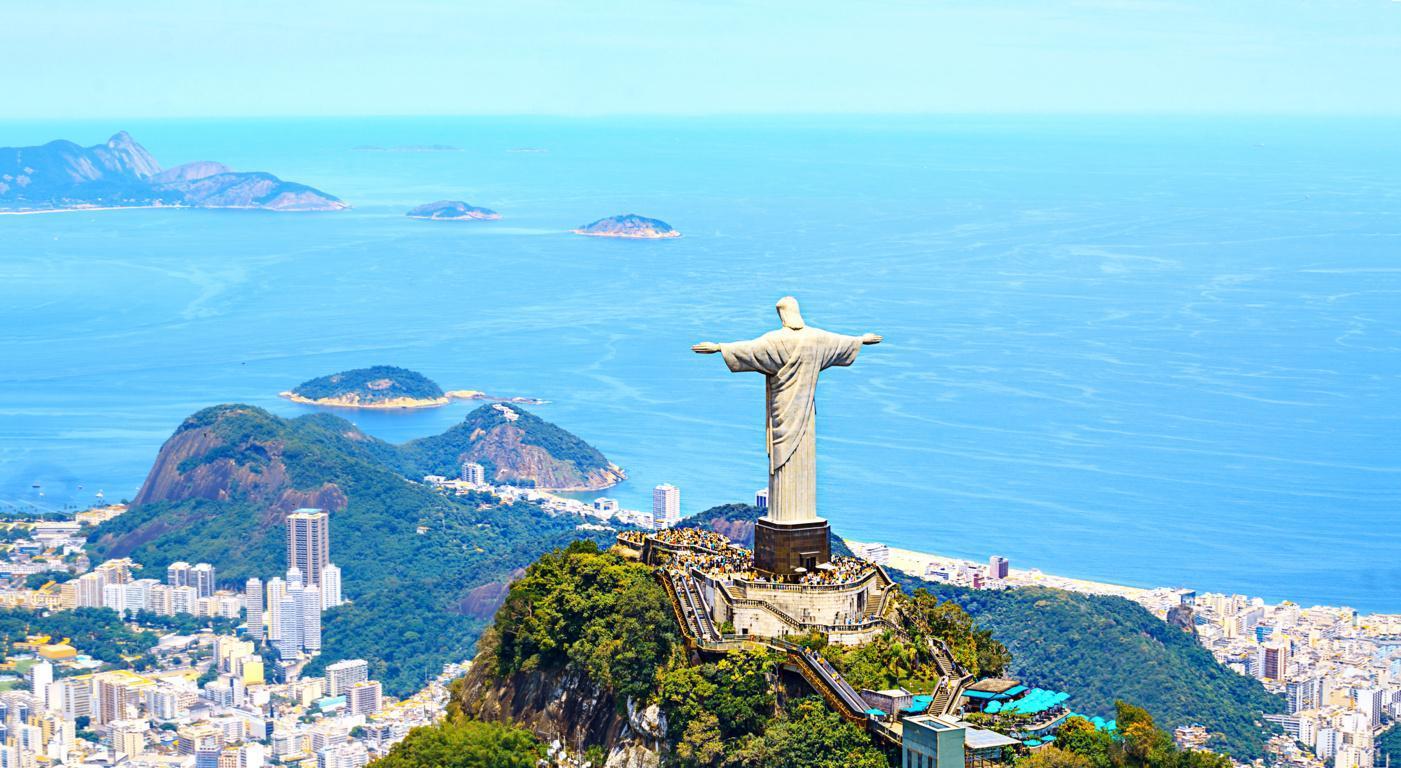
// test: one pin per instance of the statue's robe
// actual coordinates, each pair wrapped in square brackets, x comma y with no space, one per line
[790,360]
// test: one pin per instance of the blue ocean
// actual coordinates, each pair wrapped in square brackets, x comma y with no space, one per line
[1148,351]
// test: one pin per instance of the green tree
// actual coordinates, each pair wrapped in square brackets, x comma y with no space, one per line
[592,610]
[465,744]
[808,735]
[1054,757]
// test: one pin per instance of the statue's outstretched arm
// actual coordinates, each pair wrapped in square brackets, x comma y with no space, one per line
[870,338]
[706,348]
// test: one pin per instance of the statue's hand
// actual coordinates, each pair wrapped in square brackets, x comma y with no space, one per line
[706,348]
[872,338]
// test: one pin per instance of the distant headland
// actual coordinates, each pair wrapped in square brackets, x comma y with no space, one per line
[452,210]
[62,176]
[387,387]
[409,148]
[629,225]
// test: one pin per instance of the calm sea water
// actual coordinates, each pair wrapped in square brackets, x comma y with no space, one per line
[1152,352]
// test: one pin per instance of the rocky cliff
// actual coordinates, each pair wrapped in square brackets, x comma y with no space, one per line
[565,706]
[61,175]
[516,448]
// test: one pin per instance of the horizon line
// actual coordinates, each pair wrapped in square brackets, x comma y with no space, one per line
[1224,114]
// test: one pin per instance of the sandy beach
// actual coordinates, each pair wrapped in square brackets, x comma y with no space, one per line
[919,563]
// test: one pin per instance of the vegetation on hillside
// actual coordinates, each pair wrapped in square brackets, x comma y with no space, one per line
[1389,744]
[590,610]
[1100,649]
[370,385]
[97,632]
[409,555]
[461,743]
[1138,743]
[443,454]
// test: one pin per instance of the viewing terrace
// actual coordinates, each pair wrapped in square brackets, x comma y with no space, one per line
[713,555]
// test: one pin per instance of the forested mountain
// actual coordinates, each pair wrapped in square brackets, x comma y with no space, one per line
[1102,649]
[424,571]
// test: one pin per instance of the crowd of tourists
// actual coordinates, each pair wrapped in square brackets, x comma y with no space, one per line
[712,553]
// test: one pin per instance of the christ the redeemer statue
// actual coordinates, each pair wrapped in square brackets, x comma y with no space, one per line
[787,538]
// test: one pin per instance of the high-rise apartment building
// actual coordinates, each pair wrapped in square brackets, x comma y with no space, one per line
[1272,662]
[331,586]
[364,698]
[276,590]
[474,473]
[309,615]
[177,574]
[761,499]
[308,543]
[1371,703]
[253,607]
[1303,695]
[289,639]
[202,579]
[343,674]
[666,506]
[90,589]
[998,567]
[41,677]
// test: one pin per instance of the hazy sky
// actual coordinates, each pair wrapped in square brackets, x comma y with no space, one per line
[139,58]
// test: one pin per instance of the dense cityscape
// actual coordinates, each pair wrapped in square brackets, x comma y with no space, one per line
[227,692]
[226,687]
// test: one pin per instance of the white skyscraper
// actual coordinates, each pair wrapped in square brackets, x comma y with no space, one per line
[289,640]
[276,590]
[331,586]
[308,543]
[666,506]
[761,499]
[343,674]
[202,579]
[309,616]
[253,607]
[177,574]
[295,577]
[41,677]
[474,473]
[1371,702]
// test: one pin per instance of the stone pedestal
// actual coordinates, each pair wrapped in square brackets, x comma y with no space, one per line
[781,548]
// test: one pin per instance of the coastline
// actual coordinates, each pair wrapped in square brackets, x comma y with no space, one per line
[81,209]
[496,217]
[397,403]
[87,208]
[658,236]
[918,563]
[408,403]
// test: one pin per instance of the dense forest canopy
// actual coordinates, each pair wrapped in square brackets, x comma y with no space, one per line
[371,385]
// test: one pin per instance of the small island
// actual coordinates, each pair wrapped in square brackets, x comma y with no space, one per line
[385,386]
[629,225]
[452,210]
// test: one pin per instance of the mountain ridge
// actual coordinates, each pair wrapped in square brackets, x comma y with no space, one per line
[120,173]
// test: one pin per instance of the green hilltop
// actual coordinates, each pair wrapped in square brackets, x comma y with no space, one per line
[587,642]
[1099,649]
[370,385]
[511,444]
[424,571]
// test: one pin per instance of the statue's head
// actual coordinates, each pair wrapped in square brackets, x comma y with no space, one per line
[788,313]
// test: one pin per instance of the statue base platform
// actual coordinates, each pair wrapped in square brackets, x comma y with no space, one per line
[781,549]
